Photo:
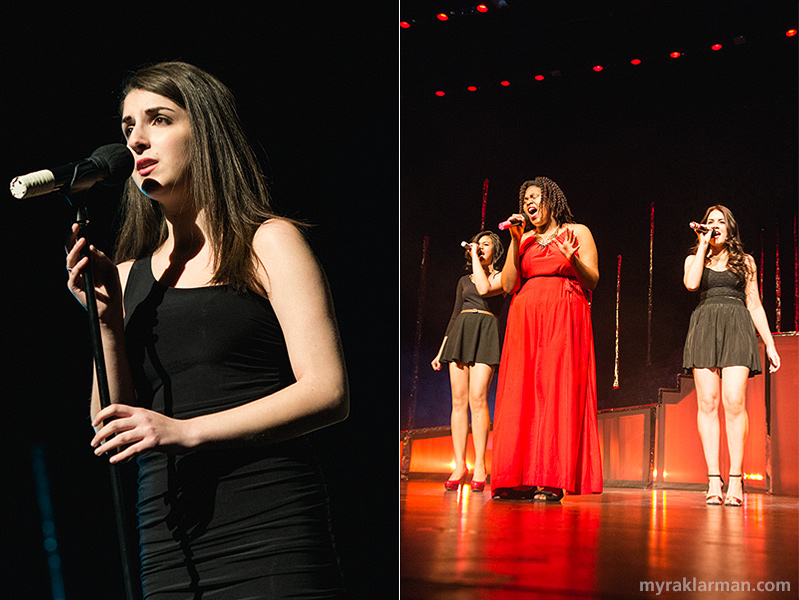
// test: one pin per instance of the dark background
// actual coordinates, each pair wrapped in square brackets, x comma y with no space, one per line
[684,134]
[316,85]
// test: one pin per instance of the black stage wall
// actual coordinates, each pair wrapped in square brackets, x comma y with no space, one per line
[708,127]
[316,87]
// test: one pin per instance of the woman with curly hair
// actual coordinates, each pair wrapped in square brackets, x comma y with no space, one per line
[471,347]
[545,428]
[721,347]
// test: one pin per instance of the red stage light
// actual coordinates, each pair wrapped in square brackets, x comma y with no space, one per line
[716,47]
[405,24]
[442,17]
[472,88]
[539,78]
[598,68]
[635,61]
[675,54]
[790,32]
[439,93]
[505,83]
[481,8]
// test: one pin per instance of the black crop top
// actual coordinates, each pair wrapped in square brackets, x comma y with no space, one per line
[721,283]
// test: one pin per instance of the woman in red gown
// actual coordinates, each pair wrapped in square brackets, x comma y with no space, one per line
[545,428]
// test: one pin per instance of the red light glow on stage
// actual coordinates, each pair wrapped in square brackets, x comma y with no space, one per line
[472,88]
[405,24]
[504,83]
[598,68]
[716,47]
[442,17]
[539,78]
[439,93]
[790,32]
[635,61]
[676,54]
[481,8]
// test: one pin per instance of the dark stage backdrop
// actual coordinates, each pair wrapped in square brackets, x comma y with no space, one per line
[316,85]
[708,127]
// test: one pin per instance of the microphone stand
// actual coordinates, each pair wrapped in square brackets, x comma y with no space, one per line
[128,564]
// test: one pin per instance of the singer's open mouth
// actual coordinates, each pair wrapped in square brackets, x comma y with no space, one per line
[145,166]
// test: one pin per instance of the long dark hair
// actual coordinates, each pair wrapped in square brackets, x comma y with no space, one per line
[499,249]
[224,177]
[736,258]
[551,196]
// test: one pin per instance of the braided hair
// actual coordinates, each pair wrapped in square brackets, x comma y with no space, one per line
[736,258]
[551,196]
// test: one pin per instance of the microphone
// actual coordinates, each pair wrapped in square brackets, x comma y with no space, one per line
[510,223]
[465,244]
[703,228]
[112,164]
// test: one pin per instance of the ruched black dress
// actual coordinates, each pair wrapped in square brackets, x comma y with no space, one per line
[721,332]
[223,523]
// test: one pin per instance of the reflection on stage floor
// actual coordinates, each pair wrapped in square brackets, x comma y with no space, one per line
[623,543]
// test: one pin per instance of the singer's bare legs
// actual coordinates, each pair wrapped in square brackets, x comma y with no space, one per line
[469,384]
[725,387]
[733,398]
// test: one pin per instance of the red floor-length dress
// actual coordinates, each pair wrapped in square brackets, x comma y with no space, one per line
[545,423]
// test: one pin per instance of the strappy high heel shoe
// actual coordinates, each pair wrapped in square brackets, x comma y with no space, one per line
[731,500]
[714,499]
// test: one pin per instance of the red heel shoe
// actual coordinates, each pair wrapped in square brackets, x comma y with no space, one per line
[453,484]
[478,486]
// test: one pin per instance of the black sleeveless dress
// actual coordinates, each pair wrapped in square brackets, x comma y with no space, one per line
[221,524]
[721,332]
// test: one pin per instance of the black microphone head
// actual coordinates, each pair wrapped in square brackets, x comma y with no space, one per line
[115,161]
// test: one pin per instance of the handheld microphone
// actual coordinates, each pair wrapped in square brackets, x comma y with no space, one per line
[112,164]
[465,244]
[510,223]
[703,228]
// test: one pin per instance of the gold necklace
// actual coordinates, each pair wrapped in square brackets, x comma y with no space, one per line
[717,258]
[545,241]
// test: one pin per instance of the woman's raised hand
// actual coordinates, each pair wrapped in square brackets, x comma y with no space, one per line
[704,238]
[108,289]
[516,231]
[569,244]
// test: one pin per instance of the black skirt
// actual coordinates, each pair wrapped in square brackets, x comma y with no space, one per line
[474,338]
[721,334]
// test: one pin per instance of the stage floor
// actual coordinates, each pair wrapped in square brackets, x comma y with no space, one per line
[463,546]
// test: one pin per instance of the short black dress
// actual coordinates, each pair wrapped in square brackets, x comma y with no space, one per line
[222,523]
[721,332]
[472,337]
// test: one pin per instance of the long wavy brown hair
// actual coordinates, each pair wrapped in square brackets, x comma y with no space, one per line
[225,179]
[736,257]
[551,196]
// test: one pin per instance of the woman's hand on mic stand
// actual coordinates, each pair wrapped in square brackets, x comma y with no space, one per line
[108,289]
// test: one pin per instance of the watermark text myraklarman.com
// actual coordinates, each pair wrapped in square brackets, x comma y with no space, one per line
[694,585]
